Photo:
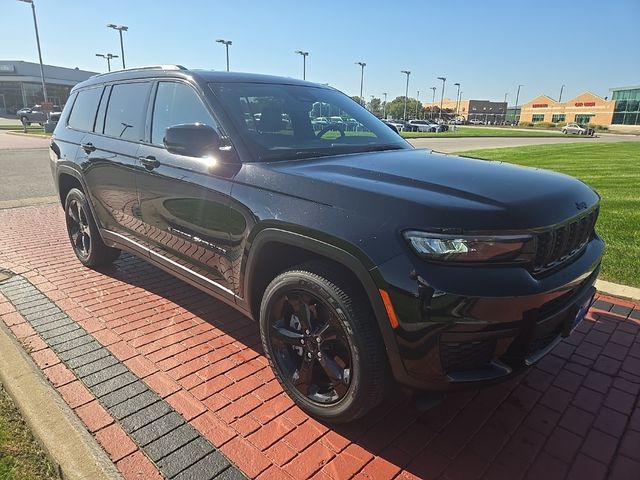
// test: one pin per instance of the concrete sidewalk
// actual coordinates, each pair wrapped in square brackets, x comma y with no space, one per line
[173,383]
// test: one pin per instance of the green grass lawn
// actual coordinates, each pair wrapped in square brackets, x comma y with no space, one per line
[466,131]
[20,456]
[613,169]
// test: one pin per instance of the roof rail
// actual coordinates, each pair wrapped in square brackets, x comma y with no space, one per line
[146,67]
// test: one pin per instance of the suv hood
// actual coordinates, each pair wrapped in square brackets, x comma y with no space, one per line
[420,189]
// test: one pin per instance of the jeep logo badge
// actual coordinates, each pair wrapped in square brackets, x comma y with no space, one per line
[581,205]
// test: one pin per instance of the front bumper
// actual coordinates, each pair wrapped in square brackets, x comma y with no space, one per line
[449,338]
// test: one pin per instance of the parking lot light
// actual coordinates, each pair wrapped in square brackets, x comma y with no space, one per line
[515,110]
[384,106]
[226,44]
[35,25]
[304,62]
[560,97]
[442,94]
[120,29]
[457,98]
[108,57]
[433,102]
[406,93]
[362,65]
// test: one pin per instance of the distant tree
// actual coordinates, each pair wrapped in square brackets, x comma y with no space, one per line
[395,108]
[357,99]
[375,106]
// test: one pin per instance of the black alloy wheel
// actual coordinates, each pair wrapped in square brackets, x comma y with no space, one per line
[310,347]
[83,233]
[78,228]
[322,341]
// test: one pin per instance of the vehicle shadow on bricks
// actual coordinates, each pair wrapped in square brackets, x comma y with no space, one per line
[535,422]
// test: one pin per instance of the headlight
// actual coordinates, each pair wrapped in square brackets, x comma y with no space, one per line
[472,248]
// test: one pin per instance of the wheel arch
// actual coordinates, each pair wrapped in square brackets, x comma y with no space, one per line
[264,262]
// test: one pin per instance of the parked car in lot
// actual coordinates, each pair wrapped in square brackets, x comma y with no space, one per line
[363,260]
[398,124]
[577,129]
[392,126]
[476,121]
[428,126]
[35,114]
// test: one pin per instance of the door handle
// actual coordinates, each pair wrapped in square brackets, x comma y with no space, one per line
[149,162]
[88,147]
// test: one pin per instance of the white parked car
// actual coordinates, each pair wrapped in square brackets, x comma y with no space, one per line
[577,129]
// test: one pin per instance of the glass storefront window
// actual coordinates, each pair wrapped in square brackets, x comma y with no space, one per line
[627,108]
[558,117]
[537,117]
[583,119]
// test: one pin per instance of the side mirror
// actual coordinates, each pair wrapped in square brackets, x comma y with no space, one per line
[192,140]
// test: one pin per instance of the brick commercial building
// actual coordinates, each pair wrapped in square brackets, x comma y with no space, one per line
[586,108]
[484,110]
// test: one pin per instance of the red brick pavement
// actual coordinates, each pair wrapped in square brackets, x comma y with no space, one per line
[574,415]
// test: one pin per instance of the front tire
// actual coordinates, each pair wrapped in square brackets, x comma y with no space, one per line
[323,344]
[83,232]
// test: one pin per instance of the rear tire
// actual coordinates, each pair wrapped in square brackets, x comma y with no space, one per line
[322,342]
[83,232]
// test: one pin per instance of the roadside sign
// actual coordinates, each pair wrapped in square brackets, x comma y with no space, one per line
[46,106]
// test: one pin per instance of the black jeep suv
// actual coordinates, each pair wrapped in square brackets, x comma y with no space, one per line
[363,259]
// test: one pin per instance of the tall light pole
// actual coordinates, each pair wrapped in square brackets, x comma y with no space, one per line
[384,106]
[406,93]
[108,56]
[120,29]
[560,97]
[362,65]
[304,63]
[505,96]
[35,25]
[417,102]
[515,110]
[457,98]
[442,94]
[226,44]
[433,101]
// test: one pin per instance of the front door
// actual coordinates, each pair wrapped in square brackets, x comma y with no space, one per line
[184,202]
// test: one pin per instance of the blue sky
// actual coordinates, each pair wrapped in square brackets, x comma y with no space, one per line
[489,46]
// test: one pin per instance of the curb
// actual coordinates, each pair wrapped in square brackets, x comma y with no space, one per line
[617,290]
[73,451]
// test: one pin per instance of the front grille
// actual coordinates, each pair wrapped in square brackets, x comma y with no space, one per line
[558,244]
[458,357]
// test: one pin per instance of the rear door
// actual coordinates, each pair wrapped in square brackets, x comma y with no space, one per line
[109,160]
[184,201]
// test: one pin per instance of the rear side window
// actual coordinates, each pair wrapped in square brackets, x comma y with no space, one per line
[84,109]
[176,103]
[126,111]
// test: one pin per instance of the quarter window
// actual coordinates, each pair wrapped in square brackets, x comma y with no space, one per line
[176,103]
[84,109]
[126,112]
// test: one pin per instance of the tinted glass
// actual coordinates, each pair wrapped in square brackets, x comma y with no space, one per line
[126,112]
[282,122]
[84,109]
[176,103]
[101,111]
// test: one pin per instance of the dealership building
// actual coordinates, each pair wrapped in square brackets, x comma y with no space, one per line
[623,109]
[21,84]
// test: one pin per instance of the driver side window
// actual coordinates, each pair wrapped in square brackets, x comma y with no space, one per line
[176,103]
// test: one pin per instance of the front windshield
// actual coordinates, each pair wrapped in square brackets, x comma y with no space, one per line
[285,122]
